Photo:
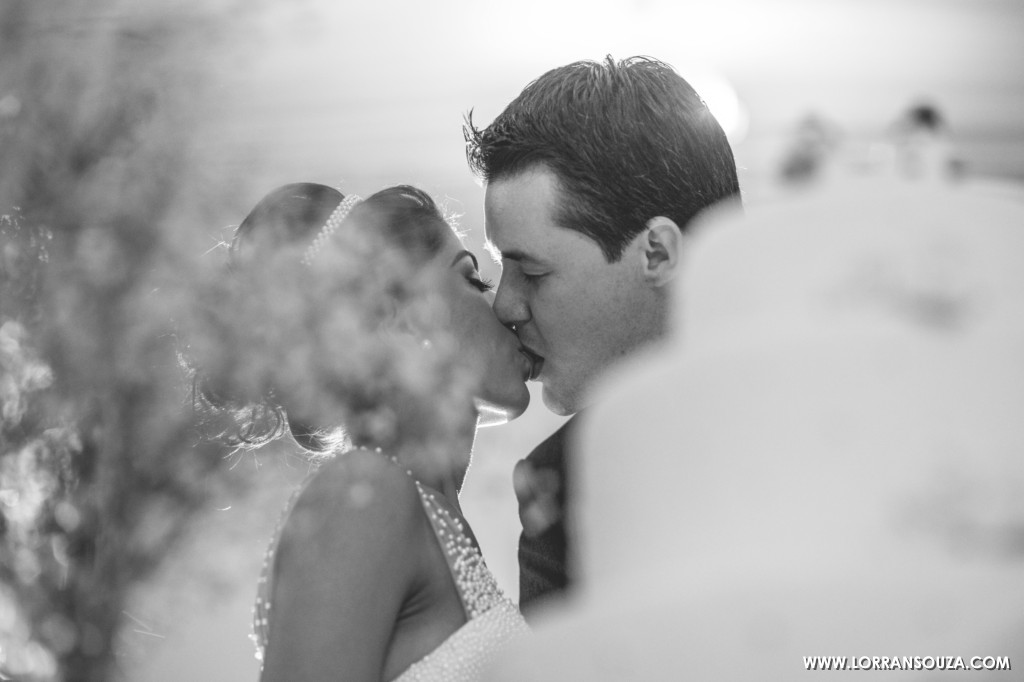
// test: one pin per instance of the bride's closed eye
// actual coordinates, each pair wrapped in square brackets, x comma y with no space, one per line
[480,283]
[467,261]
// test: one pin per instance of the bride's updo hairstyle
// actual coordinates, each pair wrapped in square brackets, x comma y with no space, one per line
[326,326]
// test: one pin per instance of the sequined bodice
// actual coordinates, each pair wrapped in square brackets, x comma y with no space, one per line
[492,619]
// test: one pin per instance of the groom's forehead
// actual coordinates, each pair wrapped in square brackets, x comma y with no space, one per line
[514,201]
[526,254]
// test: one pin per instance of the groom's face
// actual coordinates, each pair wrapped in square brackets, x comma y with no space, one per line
[572,309]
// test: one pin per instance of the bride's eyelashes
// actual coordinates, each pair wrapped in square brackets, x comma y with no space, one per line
[467,264]
[480,283]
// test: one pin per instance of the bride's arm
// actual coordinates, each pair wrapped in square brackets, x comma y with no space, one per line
[342,571]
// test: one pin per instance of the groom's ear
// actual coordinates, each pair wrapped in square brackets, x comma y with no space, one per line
[661,250]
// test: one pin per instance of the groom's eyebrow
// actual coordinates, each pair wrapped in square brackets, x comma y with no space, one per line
[512,254]
[521,257]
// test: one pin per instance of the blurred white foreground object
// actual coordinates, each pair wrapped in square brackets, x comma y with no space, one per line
[826,460]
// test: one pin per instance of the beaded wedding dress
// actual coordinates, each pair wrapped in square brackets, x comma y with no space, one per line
[492,620]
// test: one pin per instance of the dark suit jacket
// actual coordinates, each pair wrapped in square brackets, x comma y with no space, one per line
[543,491]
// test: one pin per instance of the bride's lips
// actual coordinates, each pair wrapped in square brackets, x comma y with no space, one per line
[536,362]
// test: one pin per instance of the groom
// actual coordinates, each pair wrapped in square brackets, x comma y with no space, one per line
[593,173]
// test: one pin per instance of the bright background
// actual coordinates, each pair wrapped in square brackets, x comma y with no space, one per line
[371,94]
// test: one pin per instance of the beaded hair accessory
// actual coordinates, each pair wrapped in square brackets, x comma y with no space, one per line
[334,221]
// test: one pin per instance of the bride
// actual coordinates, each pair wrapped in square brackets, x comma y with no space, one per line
[385,328]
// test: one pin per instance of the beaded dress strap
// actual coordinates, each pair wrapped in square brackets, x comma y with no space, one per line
[477,588]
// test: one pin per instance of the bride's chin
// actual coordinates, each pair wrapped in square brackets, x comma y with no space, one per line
[489,414]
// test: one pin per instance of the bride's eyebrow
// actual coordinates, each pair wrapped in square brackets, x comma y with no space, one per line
[462,254]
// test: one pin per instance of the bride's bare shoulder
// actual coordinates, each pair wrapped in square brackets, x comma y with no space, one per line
[351,553]
[358,491]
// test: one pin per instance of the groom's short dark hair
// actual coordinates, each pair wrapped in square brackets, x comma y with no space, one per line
[627,140]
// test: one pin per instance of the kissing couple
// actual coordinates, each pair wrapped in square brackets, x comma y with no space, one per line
[362,330]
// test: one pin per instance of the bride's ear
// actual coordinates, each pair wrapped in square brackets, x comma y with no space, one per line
[661,247]
[395,321]
[403,321]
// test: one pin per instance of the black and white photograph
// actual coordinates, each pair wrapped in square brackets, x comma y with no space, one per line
[451,341]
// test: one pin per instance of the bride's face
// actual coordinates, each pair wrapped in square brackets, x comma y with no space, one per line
[480,337]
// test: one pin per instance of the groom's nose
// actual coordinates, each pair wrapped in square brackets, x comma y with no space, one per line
[510,305]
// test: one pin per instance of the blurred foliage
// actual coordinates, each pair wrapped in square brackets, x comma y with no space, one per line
[106,208]
[100,468]
[340,341]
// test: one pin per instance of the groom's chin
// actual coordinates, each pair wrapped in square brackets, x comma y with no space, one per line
[556,402]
